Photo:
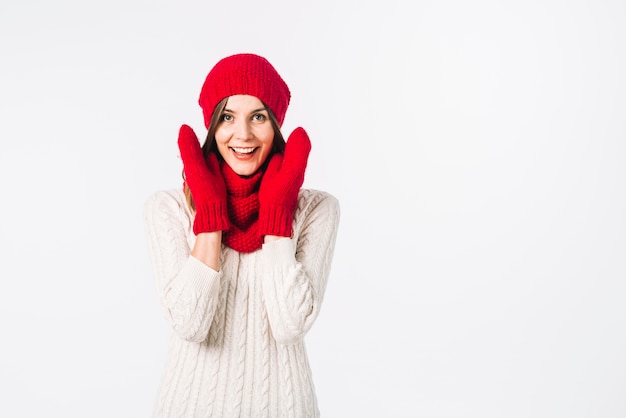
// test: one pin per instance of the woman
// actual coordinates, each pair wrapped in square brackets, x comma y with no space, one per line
[241,254]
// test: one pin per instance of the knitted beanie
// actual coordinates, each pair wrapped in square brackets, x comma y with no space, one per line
[244,74]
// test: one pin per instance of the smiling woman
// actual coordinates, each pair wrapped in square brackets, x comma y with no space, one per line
[245,135]
[241,254]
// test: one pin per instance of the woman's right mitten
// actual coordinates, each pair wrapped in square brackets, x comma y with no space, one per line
[205,181]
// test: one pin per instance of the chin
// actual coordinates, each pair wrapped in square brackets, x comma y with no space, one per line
[244,170]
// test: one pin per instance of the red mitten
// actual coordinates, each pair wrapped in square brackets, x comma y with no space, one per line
[205,182]
[278,194]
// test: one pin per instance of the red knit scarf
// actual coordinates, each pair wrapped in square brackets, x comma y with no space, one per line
[243,210]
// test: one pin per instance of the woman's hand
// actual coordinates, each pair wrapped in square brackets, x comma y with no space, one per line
[205,181]
[278,194]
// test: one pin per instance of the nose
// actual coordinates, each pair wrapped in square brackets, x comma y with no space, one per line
[243,131]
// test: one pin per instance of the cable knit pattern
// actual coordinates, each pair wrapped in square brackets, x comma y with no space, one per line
[236,347]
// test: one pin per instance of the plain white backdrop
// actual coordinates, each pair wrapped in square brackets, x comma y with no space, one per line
[477,149]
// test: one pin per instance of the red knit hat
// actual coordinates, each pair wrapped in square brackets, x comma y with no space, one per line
[244,74]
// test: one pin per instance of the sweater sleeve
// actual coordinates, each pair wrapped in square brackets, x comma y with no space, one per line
[295,270]
[187,288]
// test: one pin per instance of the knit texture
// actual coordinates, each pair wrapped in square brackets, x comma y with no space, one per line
[244,74]
[237,343]
[281,184]
[205,182]
[243,210]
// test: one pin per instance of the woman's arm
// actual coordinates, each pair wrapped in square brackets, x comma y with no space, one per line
[207,248]
[187,280]
[295,270]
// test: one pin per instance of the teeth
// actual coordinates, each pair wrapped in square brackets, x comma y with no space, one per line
[243,150]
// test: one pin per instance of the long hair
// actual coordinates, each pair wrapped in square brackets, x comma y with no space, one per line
[210,146]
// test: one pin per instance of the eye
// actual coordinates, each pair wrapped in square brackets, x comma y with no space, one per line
[259,117]
[226,117]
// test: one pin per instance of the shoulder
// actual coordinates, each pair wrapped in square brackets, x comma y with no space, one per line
[316,217]
[316,201]
[166,201]
[315,197]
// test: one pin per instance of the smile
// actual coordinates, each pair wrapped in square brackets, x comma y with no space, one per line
[241,150]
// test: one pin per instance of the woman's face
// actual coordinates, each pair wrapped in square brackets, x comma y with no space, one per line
[245,134]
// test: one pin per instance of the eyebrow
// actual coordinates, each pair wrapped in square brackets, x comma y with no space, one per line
[261,109]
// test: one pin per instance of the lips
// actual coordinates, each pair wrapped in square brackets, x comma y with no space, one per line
[243,150]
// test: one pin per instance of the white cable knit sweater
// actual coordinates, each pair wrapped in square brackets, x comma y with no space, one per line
[236,348]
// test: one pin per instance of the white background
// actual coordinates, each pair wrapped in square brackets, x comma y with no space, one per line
[477,150]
